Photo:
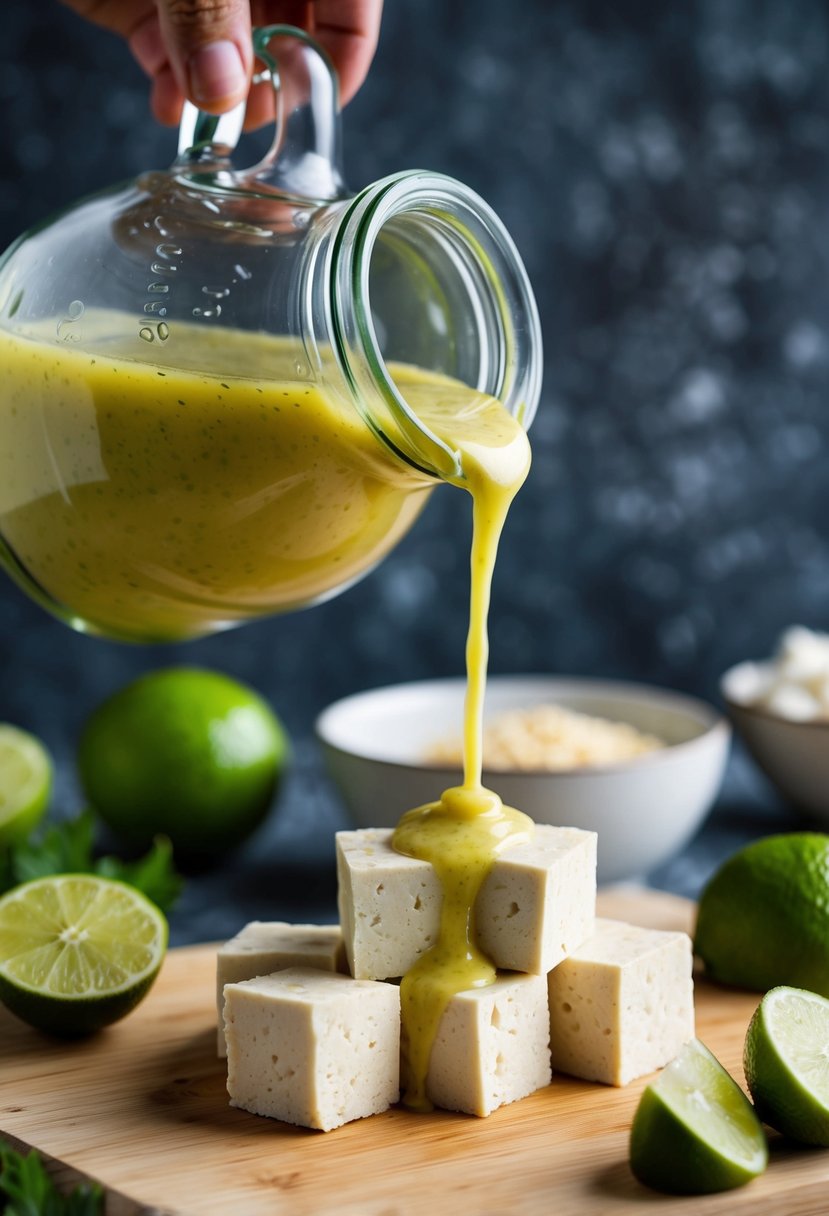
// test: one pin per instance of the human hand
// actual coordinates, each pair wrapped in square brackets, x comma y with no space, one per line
[201,49]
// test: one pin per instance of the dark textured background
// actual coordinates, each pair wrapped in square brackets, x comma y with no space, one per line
[663,168]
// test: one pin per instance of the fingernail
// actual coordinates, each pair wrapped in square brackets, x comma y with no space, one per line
[216,72]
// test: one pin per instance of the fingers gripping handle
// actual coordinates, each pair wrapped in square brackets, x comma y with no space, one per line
[304,157]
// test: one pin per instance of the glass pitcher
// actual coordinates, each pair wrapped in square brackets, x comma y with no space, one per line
[212,376]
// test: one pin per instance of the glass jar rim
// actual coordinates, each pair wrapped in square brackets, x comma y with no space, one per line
[355,340]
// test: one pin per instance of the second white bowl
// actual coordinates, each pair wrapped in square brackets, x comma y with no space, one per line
[644,810]
[793,755]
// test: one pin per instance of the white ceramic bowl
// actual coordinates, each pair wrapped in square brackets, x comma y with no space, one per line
[793,755]
[644,810]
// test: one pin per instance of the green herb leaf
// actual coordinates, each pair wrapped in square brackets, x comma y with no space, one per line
[29,1191]
[7,878]
[154,874]
[64,848]
[68,848]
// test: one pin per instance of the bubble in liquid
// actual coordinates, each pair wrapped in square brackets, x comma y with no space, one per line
[163,331]
[146,333]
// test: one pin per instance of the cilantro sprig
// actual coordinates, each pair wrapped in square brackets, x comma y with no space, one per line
[69,848]
[27,1190]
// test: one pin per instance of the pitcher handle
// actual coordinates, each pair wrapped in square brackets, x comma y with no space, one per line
[304,159]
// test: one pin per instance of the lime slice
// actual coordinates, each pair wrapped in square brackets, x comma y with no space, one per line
[695,1131]
[25,783]
[77,951]
[786,1063]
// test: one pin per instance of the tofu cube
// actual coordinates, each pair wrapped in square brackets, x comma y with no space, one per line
[266,946]
[537,904]
[313,1048]
[622,1004]
[492,1046]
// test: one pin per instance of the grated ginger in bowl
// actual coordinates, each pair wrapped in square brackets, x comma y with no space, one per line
[548,738]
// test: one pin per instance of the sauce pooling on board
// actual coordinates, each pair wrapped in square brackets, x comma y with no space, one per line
[462,834]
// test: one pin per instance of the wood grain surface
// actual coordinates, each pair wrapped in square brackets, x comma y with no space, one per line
[143,1108]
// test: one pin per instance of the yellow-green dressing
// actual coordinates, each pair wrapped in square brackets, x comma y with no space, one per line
[462,834]
[158,502]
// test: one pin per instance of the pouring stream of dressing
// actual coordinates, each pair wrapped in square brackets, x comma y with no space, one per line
[462,834]
[272,490]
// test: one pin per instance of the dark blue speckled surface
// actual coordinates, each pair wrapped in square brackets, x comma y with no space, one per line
[664,170]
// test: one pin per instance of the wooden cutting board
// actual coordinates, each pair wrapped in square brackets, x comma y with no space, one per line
[143,1108]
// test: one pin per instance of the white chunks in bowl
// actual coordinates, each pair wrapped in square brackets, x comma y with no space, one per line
[794,684]
[550,738]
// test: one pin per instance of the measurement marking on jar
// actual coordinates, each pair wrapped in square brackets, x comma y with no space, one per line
[214,294]
[73,314]
[164,266]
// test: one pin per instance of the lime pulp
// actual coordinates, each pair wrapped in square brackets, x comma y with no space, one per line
[25,783]
[77,951]
[786,1062]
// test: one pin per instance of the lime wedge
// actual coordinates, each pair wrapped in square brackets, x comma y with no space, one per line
[77,951]
[786,1063]
[25,783]
[695,1131]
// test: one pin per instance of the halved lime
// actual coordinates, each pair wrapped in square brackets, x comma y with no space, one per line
[786,1061]
[77,951]
[695,1131]
[25,783]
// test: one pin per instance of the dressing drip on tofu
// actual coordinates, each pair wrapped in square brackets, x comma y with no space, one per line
[462,834]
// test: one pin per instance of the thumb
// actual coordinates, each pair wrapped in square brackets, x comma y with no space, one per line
[209,47]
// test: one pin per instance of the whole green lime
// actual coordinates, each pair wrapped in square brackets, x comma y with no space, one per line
[192,754]
[764,916]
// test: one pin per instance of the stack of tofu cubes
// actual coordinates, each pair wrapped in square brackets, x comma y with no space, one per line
[309,1016]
